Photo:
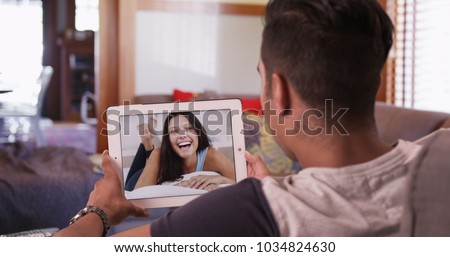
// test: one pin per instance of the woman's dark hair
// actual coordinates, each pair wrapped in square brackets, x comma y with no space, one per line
[328,49]
[171,165]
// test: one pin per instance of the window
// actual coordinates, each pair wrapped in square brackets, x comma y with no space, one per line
[86,15]
[21,43]
[419,63]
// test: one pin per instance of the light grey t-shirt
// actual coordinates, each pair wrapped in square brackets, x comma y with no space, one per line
[365,199]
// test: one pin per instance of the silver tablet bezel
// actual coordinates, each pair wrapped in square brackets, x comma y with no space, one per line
[115,144]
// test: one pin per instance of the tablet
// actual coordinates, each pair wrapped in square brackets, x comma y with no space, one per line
[167,154]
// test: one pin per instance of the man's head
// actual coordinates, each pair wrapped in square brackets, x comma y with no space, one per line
[328,49]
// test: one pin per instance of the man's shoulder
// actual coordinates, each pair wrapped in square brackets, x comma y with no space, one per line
[435,147]
[429,188]
[436,136]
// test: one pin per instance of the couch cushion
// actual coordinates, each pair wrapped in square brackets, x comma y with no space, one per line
[179,95]
[395,123]
[259,142]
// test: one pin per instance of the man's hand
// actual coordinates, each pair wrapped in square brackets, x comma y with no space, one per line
[256,167]
[108,194]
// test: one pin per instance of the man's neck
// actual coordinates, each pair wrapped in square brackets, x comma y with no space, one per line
[337,151]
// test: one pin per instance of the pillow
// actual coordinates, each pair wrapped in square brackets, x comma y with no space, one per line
[179,95]
[252,105]
[260,143]
[249,104]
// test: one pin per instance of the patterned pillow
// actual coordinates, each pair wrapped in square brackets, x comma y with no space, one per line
[259,142]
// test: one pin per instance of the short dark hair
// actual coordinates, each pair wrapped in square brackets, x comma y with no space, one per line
[328,49]
[171,165]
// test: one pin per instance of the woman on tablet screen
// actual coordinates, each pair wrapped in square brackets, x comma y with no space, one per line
[147,134]
[185,149]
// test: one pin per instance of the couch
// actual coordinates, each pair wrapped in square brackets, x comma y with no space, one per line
[395,123]
[42,187]
[46,187]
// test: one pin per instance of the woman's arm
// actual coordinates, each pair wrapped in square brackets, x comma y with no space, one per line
[214,161]
[219,162]
[150,173]
[139,160]
[206,182]
[146,132]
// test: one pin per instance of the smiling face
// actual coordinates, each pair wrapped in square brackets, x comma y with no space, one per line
[183,137]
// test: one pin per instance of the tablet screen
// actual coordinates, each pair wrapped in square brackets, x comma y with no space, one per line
[177,153]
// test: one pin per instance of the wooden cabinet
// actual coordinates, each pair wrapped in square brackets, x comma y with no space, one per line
[77,75]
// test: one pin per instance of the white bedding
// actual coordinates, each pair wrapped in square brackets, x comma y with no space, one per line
[169,188]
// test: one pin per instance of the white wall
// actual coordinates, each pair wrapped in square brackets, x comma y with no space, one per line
[197,52]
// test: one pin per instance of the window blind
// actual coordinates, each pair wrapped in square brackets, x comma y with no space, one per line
[418,67]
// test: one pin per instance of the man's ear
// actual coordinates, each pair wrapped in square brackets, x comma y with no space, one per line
[280,94]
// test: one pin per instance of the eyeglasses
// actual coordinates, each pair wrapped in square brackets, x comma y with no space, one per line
[182,132]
